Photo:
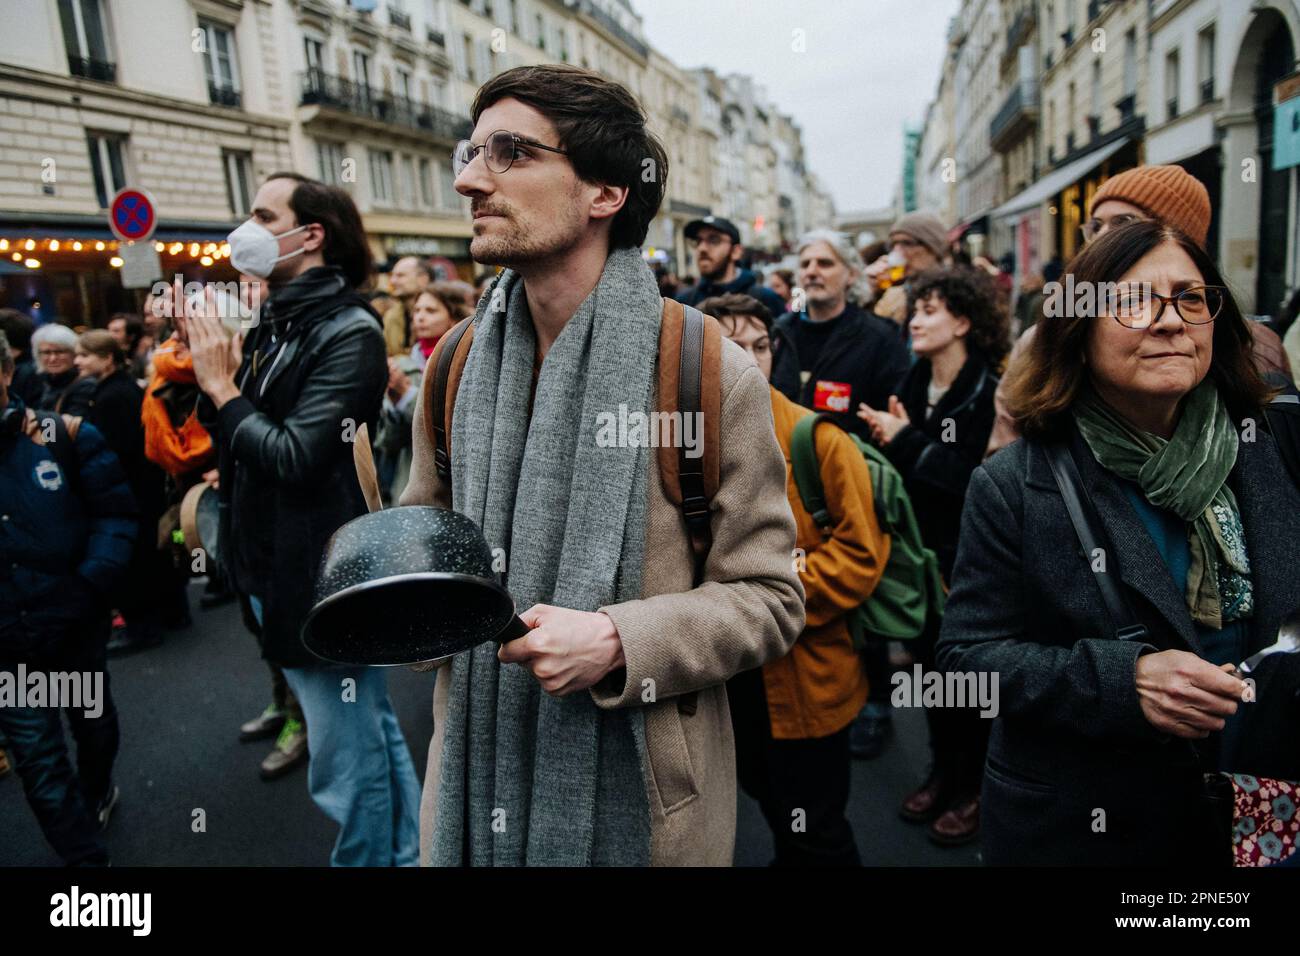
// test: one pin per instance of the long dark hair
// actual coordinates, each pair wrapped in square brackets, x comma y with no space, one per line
[345,237]
[1043,383]
[602,128]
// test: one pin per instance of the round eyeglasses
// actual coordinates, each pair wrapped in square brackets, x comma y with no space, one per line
[1132,306]
[500,150]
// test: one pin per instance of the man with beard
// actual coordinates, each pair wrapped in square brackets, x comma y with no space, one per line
[408,278]
[282,409]
[602,736]
[718,252]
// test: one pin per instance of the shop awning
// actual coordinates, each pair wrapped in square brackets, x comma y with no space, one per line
[1058,179]
[64,226]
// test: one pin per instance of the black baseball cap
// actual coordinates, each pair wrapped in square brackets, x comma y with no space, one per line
[711,222]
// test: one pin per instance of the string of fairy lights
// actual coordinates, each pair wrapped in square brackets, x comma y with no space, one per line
[29,252]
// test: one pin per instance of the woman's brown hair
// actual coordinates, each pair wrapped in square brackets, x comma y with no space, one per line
[1043,383]
[452,299]
[100,342]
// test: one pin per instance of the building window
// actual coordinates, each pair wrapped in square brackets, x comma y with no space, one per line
[85,40]
[239,181]
[540,26]
[329,156]
[1130,63]
[404,84]
[450,198]
[468,50]
[219,62]
[381,177]
[361,73]
[1205,63]
[1171,84]
[408,197]
[315,53]
[1095,101]
[426,184]
[106,163]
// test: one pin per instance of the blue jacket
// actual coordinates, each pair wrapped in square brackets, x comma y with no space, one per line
[53,524]
[747,282]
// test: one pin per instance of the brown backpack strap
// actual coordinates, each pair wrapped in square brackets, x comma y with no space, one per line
[690,382]
[447,363]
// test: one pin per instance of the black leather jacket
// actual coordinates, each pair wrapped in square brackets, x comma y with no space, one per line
[285,451]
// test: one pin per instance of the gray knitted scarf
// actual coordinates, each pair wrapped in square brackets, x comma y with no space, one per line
[527,778]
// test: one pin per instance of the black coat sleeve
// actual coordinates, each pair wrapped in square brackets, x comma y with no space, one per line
[343,390]
[943,466]
[1087,689]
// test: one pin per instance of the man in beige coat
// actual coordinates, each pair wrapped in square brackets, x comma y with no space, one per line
[651,664]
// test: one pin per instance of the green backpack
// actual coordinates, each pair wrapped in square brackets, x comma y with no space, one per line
[911,588]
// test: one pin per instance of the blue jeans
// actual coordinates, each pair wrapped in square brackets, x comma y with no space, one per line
[360,771]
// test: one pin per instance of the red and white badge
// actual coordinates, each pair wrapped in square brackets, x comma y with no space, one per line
[832,396]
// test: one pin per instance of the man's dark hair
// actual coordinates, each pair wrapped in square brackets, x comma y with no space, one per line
[967,292]
[345,237]
[602,128]
[18,329]
[134,327]
[733,305]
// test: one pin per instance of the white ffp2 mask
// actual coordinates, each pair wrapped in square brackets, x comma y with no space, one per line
[254,248]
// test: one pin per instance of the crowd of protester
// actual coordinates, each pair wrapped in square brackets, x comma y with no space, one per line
[902,351]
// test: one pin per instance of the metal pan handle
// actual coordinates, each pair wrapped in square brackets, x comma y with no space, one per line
[516,628]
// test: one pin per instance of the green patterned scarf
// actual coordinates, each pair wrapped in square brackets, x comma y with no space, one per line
[1187,475]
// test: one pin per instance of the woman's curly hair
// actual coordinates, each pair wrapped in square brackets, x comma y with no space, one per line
[967,292]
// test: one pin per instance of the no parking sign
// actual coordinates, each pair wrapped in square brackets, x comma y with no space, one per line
[131,215]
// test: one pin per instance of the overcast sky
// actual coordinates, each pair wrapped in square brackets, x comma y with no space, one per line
[869,66]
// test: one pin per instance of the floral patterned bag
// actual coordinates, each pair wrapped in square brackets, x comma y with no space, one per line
[1265,821]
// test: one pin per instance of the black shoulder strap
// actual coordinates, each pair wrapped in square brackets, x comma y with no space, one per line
[1091,536]
[690,471]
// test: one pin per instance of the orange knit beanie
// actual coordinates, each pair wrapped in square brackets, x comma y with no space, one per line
[1167,193]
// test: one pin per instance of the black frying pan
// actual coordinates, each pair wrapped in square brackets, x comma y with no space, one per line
[404,586]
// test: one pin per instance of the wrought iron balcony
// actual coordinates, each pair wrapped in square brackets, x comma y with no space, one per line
[334,92]
[1021,27]
[223,95]
[92,69]
[1126,106]
[399,19]
[1017,116]
[435,37]
[1207,90]
[613,26]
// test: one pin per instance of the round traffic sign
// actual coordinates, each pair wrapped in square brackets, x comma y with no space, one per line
[131,215]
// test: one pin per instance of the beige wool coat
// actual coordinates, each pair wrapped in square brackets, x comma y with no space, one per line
[677,640]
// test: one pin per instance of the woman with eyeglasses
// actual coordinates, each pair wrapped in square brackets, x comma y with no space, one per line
[1102,734]
[55,347]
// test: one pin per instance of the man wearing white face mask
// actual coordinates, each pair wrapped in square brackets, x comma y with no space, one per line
[282,408]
